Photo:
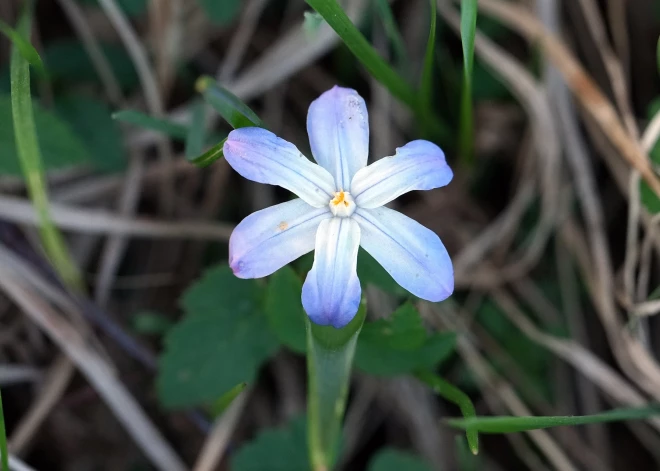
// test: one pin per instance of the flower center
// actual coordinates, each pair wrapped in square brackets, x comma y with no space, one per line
[342,205]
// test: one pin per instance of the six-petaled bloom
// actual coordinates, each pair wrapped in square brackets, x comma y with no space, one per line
[340,207]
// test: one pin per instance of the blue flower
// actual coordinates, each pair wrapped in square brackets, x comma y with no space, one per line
[341,206]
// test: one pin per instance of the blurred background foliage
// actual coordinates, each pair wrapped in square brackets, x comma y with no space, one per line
[166,358]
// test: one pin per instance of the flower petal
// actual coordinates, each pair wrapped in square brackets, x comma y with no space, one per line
[338,128]
[412,254]
[267,240]
[331,293]
[261,156]
[419,165]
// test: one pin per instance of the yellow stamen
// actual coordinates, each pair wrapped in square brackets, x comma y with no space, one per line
[339,198]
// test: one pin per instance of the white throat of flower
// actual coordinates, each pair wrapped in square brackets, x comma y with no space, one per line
[342,205]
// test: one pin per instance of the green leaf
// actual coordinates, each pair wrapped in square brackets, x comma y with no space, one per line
[468,31]
[91,120]
[4,454]
[163,126]
[221,342]
[28,52]
[371,272]
[284,310]
[507,424]
[59,144]
[226,399]
[27,148]
[221,12]
[385,12]
[426,89]
[151,323]
[210,156]
[132,8]
[335,16]
[391,459]
[228,105]
[196,131]
[281,449]
[456,396]
[68,61]
[400,345]
[648,197]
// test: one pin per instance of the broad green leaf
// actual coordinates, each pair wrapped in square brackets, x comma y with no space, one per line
[59,144]
[280,449]
[468,31]
[284,310]
[403,331]
[228,105]
[221,12]
[196,131]
[391,459]
[335,16]
[400,345]
[67,61]
[507,424]
[91,121]
[456,396]
[164,126]
[221,342]
[27,148]
[26,49]
[371,272]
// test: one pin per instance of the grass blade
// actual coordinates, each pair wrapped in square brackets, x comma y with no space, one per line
[392,32]
[3,439]
[228,105]
[26,49]
[522,424]
[163,126]
[458,397]
[468,30]
[30,158]
[210,156]
[426,91]
[196,131]
[335,16]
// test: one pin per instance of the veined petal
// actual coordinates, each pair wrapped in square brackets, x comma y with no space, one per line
[419,165]
[338,128]
[412,254]
[331,293]
[261,156]
[267,240]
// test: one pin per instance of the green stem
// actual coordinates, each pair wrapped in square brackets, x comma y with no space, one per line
[329,359]
[3,439]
